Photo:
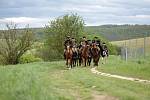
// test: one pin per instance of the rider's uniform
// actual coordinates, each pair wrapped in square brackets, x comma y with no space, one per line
[105,50]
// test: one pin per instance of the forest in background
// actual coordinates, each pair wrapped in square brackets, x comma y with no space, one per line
[110,32]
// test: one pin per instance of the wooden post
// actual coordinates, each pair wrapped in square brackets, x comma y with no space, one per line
[126,51]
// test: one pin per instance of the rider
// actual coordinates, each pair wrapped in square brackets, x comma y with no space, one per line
[105,49]
[96,41]
[74,43]
[89,42]
[84,41]
[67,42]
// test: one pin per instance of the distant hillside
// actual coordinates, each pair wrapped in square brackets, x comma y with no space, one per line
[110,32]
[119,32]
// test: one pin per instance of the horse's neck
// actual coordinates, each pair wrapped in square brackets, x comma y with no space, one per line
[95,51]
[68,49]
[85,50]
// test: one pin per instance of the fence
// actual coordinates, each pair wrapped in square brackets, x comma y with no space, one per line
[135,48]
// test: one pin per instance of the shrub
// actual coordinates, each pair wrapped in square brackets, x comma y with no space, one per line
[15,42]
[49,54]
[28,58]
[113,49]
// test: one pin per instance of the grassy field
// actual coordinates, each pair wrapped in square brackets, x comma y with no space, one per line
[52,81]
[133,68]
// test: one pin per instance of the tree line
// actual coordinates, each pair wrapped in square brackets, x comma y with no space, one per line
[14,43]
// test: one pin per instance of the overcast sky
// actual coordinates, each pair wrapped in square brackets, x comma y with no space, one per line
[37,13]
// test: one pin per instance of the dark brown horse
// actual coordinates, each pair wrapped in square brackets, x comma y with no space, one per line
[75,57]
[95,54]
[68,54]
[85,54]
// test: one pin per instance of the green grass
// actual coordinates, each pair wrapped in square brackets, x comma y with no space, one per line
[139,68]
[51,81]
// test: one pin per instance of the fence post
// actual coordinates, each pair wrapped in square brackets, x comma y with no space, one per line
[126,55]
[126,51]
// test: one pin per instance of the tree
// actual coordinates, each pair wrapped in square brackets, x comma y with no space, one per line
[14,43]
[58,29]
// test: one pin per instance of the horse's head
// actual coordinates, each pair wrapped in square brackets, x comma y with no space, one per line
[94,45]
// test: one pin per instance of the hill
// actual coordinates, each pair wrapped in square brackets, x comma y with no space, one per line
[112,32]
[119,32]
[109,32]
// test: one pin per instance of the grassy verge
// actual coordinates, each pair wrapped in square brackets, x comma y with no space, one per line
[51,81]
[133,68]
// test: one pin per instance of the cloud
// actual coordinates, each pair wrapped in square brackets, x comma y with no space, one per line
[140,17]
[94,12]
[22,21]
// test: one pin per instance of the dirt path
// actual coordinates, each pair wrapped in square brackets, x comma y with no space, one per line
[97,96]
[95,71]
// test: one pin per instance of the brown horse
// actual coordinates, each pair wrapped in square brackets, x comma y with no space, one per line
[85,54]
[95,54]
[68,54]
[74,56]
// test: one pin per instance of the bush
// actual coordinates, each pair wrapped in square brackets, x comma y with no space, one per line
[28,58]
[2,60]
[49,54]
[113,49]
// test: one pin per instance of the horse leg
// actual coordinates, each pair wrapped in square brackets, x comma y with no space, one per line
[97,61]
[75,62]
[90,61]
[94,61]
[102,60]
[80,61]
[85,61]
[71,65]
[67,62]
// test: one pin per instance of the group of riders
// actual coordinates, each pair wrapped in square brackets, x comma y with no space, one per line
[84,51]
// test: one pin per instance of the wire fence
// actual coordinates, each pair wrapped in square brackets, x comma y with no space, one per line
[135,48]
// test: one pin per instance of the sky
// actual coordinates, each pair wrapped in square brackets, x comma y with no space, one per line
[37,13]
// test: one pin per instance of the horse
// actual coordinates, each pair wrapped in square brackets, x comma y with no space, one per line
[68,55]
[89,55]
[95,54]
[85,54]
[79,59]
[74,56]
